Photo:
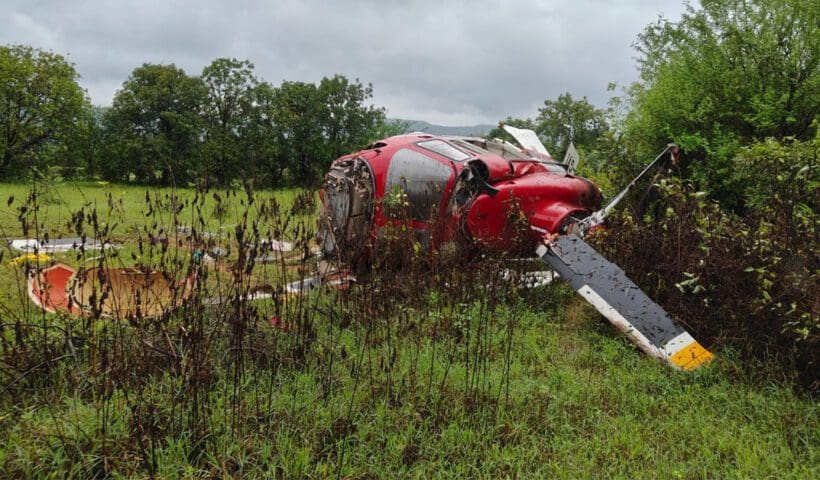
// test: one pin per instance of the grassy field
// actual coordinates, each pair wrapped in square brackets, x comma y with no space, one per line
[434,371]
[124,205]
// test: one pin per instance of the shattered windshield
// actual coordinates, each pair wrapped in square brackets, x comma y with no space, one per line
[471,147]
[444,148]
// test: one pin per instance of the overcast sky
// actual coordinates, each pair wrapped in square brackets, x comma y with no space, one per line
[446,62]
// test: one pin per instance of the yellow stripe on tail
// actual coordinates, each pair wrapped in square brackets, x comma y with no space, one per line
[691,356]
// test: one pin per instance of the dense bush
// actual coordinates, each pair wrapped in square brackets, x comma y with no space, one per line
[747,281]
[726,75]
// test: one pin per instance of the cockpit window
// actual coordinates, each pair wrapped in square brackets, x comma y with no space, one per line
[444,148]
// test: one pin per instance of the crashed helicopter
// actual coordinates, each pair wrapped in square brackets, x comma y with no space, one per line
[462,189]
[458,190]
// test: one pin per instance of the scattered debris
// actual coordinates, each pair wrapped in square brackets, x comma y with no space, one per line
[340,281]
[108,292]
[48,288]
[203,233]
[532,279]
[59,245]
[284,251]
[277,323]
[30,258]
[269,258]
[328,273]
[275,245]
[303,285]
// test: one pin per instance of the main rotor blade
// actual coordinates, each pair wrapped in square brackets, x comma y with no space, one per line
[617,298]
[598,217]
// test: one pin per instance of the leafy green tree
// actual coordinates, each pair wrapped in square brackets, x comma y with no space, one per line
[78,154]
[388,128]
[727,74]
[92,142]
[566,120]
[154,126]
[560,122]
[315,124]
[262,138]
[228,112]
[347,121]
[41,104]
[296,109]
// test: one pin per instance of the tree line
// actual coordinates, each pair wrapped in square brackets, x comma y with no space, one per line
[166,127]
[727,76]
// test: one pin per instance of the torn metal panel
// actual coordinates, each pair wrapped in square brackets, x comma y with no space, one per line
[347,207]
[59,245]
[129,292]
[279,250]
[275,245]
[335,279]
[617,298]
[527,139]
[304,285]
[537,279]
[48,288]
[108,292]
[530,279]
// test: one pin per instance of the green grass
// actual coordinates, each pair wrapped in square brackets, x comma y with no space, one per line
[127,213]
[581,404]
[437,387]
[59,202]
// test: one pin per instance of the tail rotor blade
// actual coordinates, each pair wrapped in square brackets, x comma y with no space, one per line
[617,298]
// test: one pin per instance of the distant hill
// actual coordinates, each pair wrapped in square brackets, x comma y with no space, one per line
[422,126]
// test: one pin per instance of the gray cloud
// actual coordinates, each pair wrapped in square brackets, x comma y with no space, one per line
[453,62]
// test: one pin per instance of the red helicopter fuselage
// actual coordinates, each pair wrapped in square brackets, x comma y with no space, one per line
[450,189]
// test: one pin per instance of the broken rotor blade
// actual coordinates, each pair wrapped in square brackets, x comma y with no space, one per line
[616,297]
[598,217]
